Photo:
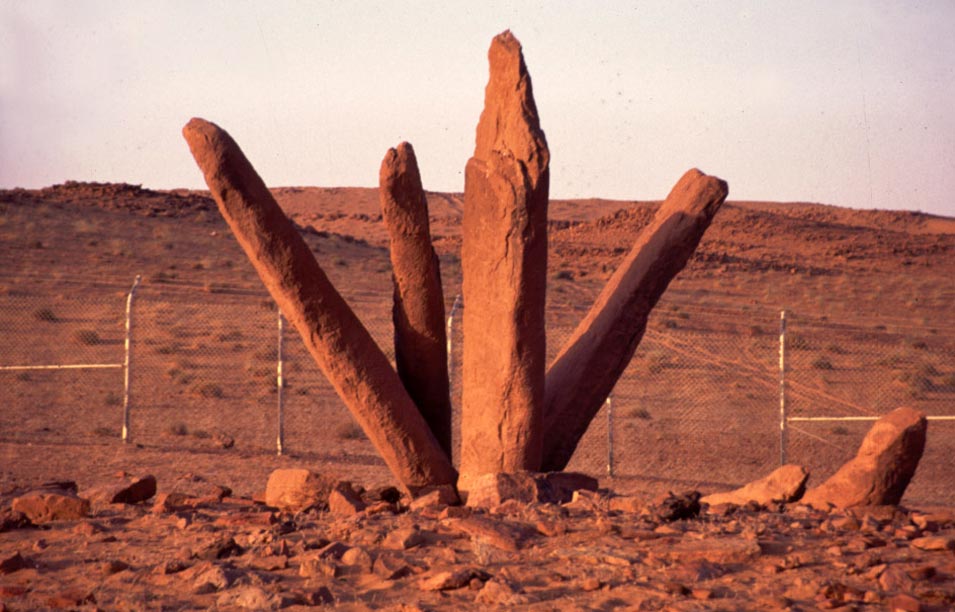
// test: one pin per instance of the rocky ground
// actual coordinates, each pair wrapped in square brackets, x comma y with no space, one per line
[192,546]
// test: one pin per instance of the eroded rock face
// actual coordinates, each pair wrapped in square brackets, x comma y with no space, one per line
[418,313]
[589,364]
[785,484]
[504,265]
[882,469]
[341,346]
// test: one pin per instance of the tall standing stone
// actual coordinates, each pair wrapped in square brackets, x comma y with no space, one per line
[351,360]
[591,361]
[504,265]
[421,350]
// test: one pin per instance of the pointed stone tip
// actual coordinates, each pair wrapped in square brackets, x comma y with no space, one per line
[507,40]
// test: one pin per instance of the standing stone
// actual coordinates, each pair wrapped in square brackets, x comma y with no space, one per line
[421,349]
[589,364]
[351,360]
[504,265]
[880,472]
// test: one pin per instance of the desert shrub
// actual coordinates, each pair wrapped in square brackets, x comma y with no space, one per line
[24,376]
[208,390]
[177,429]
[230,336]
[106,432]
[670,324]
[349,431]
[657,361]
[45,314]
[201,434]
[822,363]
[756,330]
[919,345]
[840,430]
[113,399]
[87,337]
[341,263]
[639,413]
[565,275]
[837,349]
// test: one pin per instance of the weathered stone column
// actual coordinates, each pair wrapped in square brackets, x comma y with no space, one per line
[421,349]
[591,361]
[504,265]
[337,340]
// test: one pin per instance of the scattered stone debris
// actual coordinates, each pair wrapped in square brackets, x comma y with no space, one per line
[588,552]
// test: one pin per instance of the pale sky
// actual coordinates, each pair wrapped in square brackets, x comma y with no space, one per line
[846,103]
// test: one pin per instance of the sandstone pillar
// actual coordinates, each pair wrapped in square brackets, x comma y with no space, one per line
[504,265]
[591,361]
[337,340]
[421,350]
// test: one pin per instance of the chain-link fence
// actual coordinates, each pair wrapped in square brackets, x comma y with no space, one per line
[698,406]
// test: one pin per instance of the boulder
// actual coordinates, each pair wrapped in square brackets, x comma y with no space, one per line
[126,491]
[882,468]
[504,269]
[343,500]
[784,485]
[296,490]
[44,506]
[421,351]
[490,490]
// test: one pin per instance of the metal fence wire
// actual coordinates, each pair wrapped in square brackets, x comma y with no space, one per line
[697,407]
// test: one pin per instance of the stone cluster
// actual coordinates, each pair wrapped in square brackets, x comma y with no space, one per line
[517,416]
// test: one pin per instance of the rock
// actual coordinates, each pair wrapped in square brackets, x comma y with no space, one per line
[881,470]
[344,501]
[45,506]
[676,507]
[319,597]
[403,539]
[626,503]
[894,579]
[903,603]
[198,487]
[784,485]
[588,365]
[435,497]
[11,520]
[11,564]
[491,490]
[357,557]
[504,536]
[934,543]
[130,491]
[388,494]
[338,341]
[250,598]
[447,580]
[500,592]
[719,551]
[421,353]
[269,563]
[223,440]
[297,490]
[504,269]
[219,547]
[391,567]
[332,550]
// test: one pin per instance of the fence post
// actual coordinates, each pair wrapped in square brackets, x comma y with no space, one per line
[449,333]
[127,358]
[609,402]
[280,384]
[783,434]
